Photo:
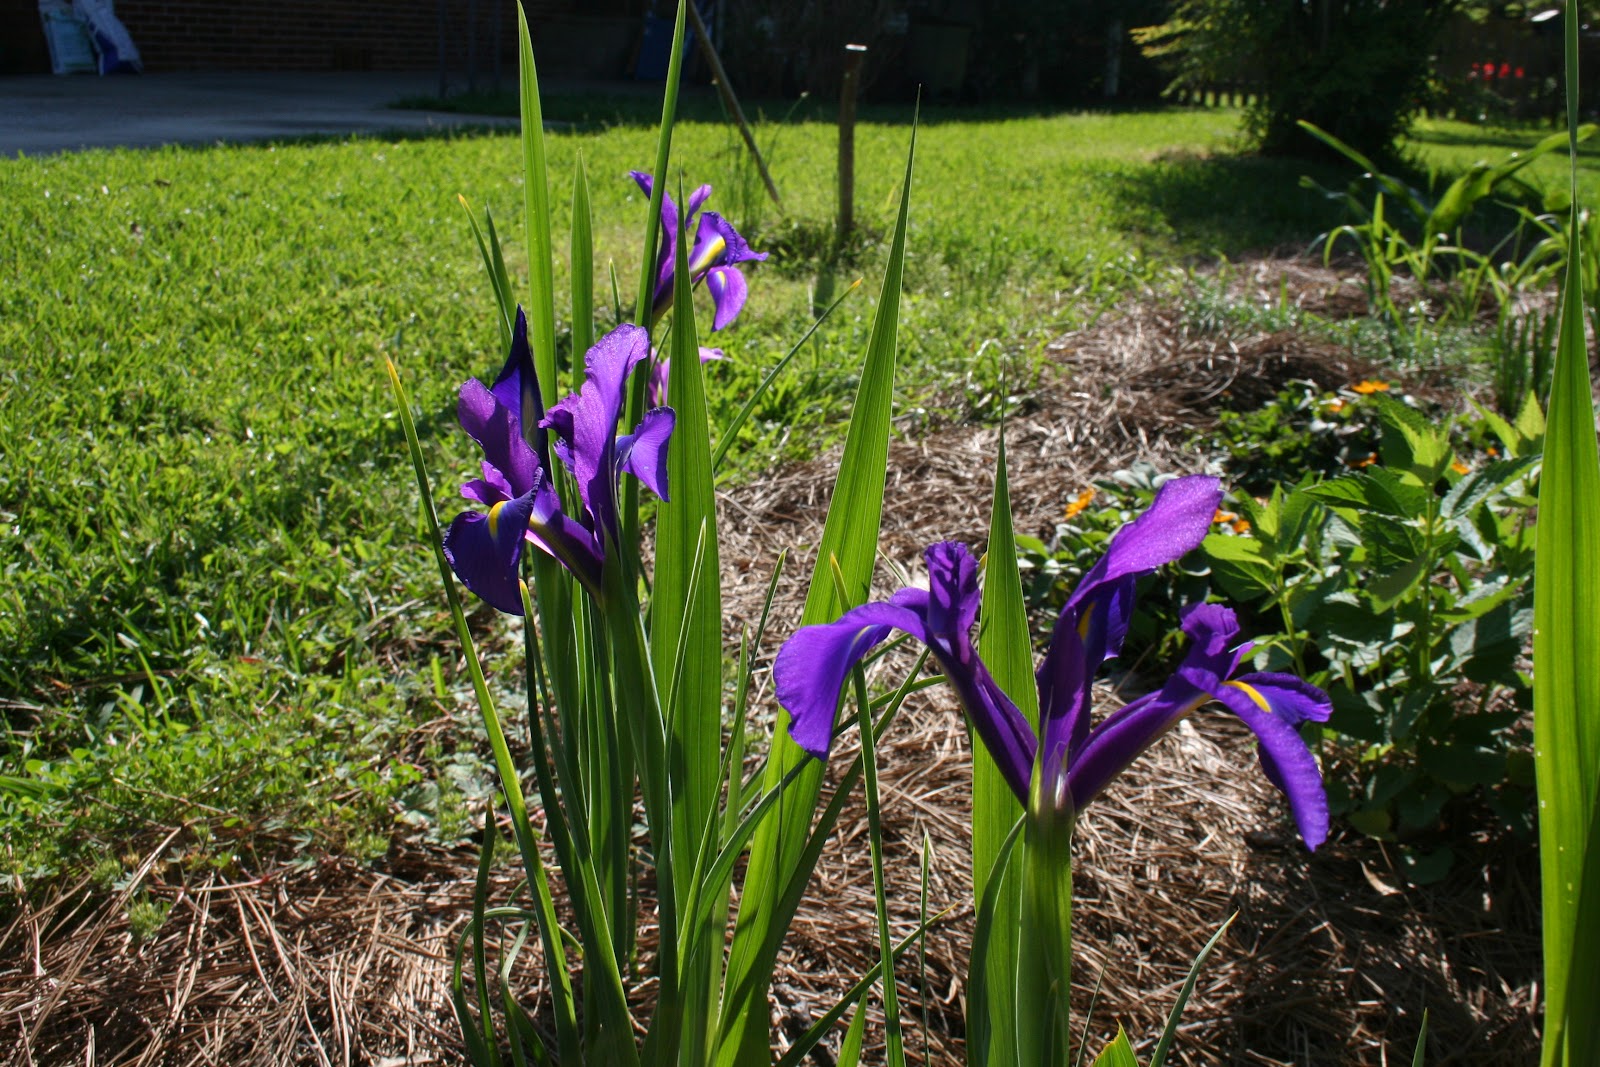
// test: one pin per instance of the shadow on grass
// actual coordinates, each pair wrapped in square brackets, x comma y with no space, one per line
[639,104]
[1510,140]
[1230,205]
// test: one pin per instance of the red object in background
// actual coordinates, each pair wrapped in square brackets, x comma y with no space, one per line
[1505,70]
[1488,70]
[1519,72]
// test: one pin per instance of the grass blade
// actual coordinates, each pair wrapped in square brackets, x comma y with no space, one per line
[536,221]
[1169,1032]
[582,251]
[895,1050]
[731,431]
[854,1035]
[494,265]
[1566,686]
[658,189]
[850,535]
[617,1026]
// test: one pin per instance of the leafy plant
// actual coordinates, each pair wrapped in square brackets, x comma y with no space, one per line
[1438,253]
[1403,588]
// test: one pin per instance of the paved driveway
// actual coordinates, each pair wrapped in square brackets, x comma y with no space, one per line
[44,113]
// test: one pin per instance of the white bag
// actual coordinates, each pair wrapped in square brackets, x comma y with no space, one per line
[112,43]
[70,49]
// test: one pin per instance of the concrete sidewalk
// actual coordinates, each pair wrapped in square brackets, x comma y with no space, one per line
[40,114]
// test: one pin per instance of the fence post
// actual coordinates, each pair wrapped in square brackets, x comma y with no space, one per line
[853,55]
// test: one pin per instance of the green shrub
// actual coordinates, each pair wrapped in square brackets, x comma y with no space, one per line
[1359,69]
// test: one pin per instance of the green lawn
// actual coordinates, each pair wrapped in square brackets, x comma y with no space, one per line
[215,607]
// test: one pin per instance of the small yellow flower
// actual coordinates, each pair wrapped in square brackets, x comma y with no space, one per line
[1080,502]
[1369,386]
[1460,467]
[1372,457]
[1334,406]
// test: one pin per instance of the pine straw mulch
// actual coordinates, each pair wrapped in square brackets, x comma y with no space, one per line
[1332,958]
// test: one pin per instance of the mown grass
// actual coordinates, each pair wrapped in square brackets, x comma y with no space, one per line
[215,610]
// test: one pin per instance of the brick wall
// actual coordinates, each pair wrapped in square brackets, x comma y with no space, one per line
[317,35]
[310,35]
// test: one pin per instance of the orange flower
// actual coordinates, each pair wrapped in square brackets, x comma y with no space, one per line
[1237,523]
[1460,467]
[1372,457]
[1081,502]
[1334,406]
[1369,386]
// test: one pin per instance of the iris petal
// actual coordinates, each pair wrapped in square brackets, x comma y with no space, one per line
[1288,763]
[812,666]
[484,550]
[586,421]
[1291,699]
[1175,523]
[643,453]
[728,291]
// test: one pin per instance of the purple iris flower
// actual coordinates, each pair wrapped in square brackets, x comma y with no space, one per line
[485,548]
[714,256]
[1075,762]
[655,392]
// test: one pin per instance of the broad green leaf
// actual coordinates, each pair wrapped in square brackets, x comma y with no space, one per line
[1474,489]
[1006,646]
[1044,957]
[1239,566]
[536,222]
[850,535]
[695,711]
[1410,442]
[1376,490]
[980,1016]
[1566,684]
[1117,1054]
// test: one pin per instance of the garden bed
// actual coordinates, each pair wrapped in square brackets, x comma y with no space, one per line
[1332,959]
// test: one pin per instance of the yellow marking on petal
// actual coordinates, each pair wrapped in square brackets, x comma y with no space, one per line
[494,520]
[1083,623]
[706,258]
[1254,694]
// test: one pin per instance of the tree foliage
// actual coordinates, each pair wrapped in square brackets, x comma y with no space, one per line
[1357,68]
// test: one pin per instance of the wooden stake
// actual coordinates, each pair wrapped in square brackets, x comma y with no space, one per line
[853,55]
